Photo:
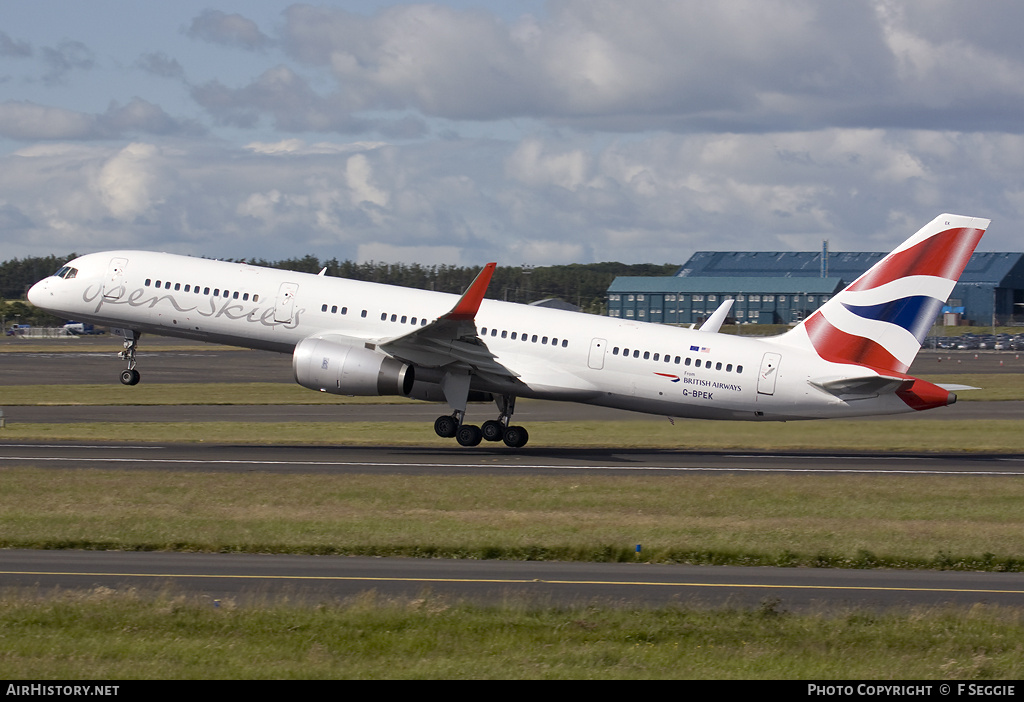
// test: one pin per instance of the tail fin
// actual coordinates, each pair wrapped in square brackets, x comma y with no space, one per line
[882,318]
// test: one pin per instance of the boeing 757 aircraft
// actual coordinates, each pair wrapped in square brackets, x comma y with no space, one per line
[849,358]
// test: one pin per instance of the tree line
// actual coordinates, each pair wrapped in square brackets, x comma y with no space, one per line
[581,284]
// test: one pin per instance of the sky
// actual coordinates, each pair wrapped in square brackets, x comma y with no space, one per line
[523,132]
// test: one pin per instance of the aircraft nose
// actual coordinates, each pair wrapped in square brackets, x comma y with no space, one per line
[37,293]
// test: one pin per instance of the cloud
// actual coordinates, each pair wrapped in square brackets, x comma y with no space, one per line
[27,121]
[230,30]
[596,130]
[423,255]
[162,65]
[293,106]
[68,56]
[12,48]
[651,199]
[748,65]
[685,66]
[142,117]
[358,176]
[126,182]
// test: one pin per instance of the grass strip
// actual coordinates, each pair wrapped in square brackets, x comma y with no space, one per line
[83,637]
[851,521]
[895,435]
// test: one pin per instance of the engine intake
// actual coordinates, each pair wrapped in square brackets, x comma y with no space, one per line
[330,363]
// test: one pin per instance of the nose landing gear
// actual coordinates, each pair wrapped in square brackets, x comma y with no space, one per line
[130,376]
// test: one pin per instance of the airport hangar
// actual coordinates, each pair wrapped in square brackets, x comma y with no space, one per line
[773,287]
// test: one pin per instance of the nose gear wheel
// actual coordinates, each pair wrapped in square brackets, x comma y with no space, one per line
[130,376]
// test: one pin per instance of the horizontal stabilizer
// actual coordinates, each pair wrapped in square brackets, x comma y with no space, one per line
[954,387]
[918,394]
[861,386]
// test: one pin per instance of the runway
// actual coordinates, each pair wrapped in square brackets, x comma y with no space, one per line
[221,576]
[404,460]
[315,579]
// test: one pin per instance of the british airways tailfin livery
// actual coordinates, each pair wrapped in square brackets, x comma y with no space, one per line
[849,358]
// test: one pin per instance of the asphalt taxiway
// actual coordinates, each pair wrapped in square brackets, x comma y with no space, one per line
[405,460]
[314,579]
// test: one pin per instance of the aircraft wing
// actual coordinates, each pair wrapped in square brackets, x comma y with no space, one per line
[451,341]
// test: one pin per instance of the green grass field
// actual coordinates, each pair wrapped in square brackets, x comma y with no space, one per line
[896,521]
[813,520]
[102,635]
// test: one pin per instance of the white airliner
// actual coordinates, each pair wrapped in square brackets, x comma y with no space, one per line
[849,358]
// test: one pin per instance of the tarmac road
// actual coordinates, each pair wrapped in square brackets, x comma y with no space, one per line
[405,460]
[311,579]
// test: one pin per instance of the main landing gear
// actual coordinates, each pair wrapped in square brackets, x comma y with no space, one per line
[130,376]
[450,425]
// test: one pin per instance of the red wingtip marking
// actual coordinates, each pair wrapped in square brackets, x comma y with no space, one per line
[466,308]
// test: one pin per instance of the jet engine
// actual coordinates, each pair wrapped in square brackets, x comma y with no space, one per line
[330,363]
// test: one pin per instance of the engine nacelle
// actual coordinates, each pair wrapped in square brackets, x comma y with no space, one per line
[330,363]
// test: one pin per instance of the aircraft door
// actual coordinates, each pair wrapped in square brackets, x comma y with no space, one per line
[113,285]
[597,347]
[285,302]
[768,373]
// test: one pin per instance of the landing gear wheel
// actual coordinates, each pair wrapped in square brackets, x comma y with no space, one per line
[492,430]
[515,437]
[446,426]
[469,435]
[130,376]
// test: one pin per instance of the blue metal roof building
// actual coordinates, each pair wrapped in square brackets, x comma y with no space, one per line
[785,287]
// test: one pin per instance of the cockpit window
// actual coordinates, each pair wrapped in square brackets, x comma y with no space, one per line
[66,272]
